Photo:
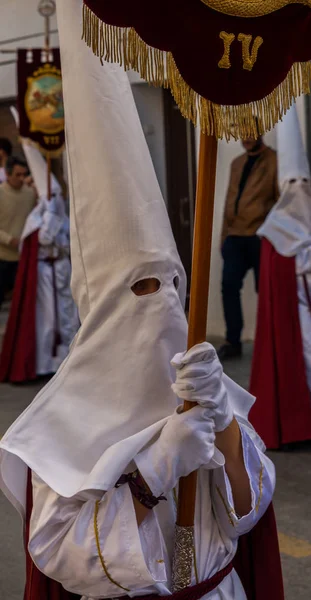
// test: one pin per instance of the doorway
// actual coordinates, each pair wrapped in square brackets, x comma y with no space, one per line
[181,179]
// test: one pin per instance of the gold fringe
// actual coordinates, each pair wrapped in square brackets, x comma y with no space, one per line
[126,48]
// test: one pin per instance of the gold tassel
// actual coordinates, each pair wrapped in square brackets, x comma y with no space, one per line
[126,48]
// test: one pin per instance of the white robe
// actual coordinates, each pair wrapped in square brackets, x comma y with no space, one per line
[63,540]
[48,317]
[52,224]
[303,268]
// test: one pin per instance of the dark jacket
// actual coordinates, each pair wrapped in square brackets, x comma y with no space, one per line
[258,197]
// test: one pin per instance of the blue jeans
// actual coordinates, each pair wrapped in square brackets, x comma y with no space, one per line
[240,254]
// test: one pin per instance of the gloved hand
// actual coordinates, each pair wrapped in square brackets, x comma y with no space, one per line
[200,379]
[186,443]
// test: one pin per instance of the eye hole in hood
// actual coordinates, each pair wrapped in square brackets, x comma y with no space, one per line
[145,287]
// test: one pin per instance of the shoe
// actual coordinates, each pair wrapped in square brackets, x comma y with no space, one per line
[228,351]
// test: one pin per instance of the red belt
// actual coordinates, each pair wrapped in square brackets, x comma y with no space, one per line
[194,592]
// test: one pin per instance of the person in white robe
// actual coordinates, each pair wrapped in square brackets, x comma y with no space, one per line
[57,319]
[114,406]
[288,226]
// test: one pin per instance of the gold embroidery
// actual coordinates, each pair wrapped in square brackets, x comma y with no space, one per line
[99,550]
[230,511]
[125,47]
[249,59]
[182,558]
[252,8]
[260,488]
[227,38]
[195,564]
[160,561]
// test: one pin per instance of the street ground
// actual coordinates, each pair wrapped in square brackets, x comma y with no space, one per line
[292,500]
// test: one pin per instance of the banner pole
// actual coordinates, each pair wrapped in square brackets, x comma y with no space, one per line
[49,173]
[200,278]
[47,48]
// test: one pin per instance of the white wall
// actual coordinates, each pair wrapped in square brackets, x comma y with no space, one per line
[17,18]
[226,153]
[149,102]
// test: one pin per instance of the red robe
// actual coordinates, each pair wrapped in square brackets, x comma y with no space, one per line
[258,561]
[282,412]
[18,356]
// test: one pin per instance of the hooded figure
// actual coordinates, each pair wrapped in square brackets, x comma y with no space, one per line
[105,439]
[43,318]
[282,356]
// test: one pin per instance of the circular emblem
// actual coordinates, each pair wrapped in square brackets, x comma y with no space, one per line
[44,100]
[252,8]
[47,8]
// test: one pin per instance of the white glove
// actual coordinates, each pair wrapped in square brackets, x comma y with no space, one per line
[200,379]
[186,443]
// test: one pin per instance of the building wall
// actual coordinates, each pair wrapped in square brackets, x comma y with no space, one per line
[226,153]
[149,102]
[216,326]
[19,18]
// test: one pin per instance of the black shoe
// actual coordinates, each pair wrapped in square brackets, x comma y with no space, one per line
[228,351]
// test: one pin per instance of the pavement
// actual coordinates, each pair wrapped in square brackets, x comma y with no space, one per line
[292,499]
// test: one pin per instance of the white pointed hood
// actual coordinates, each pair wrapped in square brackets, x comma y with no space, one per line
[113,393]
[292,158]
[288,226]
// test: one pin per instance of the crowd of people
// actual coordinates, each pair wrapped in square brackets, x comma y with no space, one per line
[34,267]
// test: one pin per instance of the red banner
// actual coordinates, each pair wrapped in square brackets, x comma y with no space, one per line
[217,56]
[227,59]
[40,99]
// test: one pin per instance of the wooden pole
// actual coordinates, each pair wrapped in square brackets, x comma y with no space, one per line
[201,261]
[48,158]
[49,173]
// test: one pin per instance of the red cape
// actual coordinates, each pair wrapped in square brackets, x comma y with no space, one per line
[257,563]
[282,412]
[18,356]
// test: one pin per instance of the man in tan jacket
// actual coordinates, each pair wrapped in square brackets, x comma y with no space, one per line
[252,192]
[16,202]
